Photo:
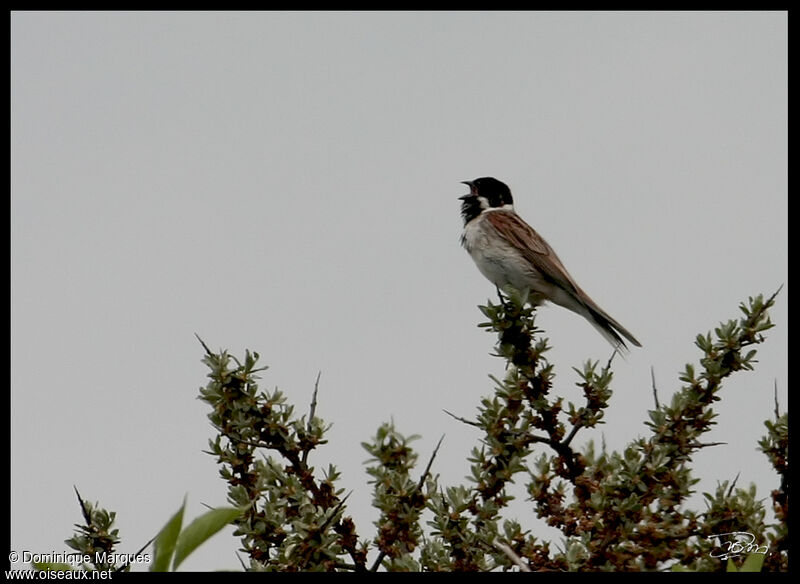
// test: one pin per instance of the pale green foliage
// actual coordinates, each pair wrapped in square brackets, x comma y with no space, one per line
[621,510]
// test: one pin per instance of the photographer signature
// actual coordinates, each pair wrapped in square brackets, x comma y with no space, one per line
[736,543]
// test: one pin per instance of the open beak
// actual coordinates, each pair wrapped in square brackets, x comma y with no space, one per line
[471,189]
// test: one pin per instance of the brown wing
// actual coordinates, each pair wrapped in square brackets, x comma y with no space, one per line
[542,257]
[533,247]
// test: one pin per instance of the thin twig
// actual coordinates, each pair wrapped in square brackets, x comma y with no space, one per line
[775,393]
[611,358]
[653,381]
[772,298]
[511,555]
[241,561]
[470,422]
[312,411]
[430,462]
[86,515]
[208,351]
[335,512]
[144,547]
[733,484]
[707,444]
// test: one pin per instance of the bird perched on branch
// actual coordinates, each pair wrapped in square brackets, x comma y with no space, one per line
[510,253]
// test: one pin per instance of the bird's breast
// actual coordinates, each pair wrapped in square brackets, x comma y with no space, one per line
[492,254]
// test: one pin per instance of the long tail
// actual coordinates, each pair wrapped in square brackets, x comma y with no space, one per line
[611,329]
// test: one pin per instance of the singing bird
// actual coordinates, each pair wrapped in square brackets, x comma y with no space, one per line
[510,253]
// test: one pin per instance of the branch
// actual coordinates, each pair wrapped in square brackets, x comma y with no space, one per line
[312,411]
[377,563]
[707,444]
[430,462]
[335,512]
[208,351]
[314,401]
[464,420]
[144,547]
[655,392]
[511,555]
[775,393]
[733,484]
[86,515]
[611,358]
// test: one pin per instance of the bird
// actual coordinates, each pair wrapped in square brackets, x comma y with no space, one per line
[510,253]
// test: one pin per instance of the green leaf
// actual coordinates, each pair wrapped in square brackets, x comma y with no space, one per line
[164,546]
[201,529]
[753,563]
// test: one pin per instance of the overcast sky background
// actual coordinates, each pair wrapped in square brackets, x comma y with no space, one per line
[288,183]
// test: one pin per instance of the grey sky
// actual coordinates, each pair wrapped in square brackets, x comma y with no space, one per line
[288,183]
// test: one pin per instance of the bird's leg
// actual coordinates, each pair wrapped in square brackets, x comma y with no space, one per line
[500,295]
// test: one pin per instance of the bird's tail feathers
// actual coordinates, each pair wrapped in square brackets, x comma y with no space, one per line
[612,330]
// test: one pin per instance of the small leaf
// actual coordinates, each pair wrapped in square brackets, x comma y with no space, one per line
[201,529]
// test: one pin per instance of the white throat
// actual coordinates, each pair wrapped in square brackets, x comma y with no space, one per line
[506,207]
